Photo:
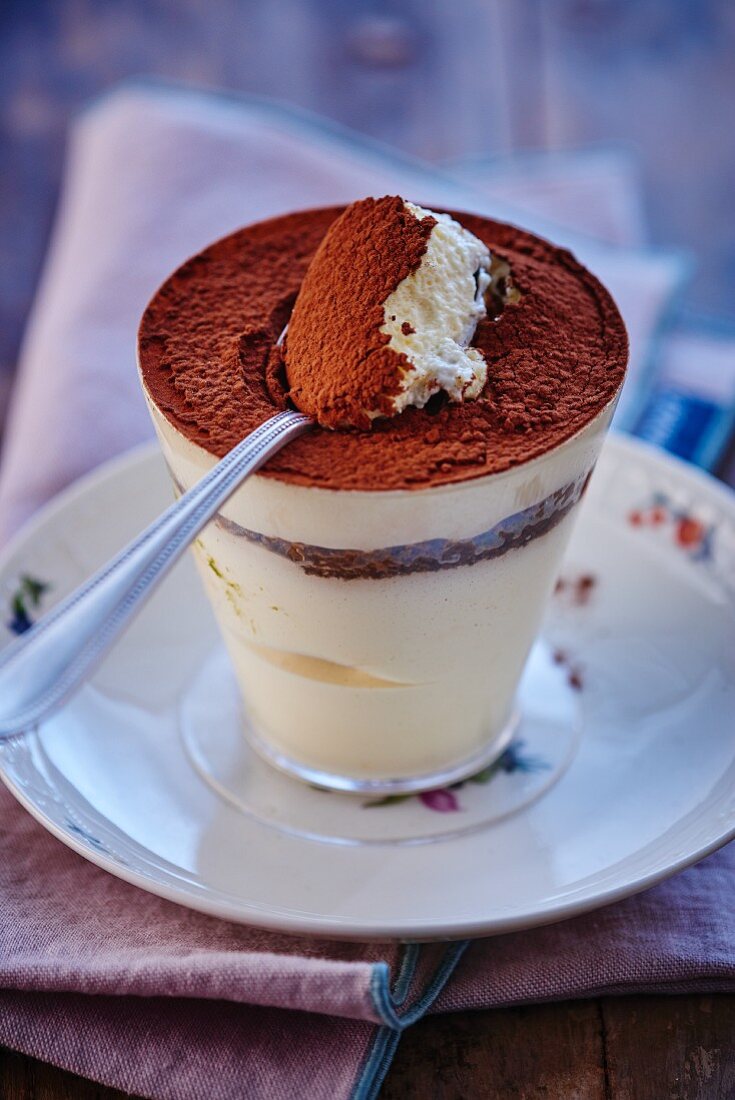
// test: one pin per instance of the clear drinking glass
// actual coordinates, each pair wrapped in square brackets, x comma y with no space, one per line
[378,637]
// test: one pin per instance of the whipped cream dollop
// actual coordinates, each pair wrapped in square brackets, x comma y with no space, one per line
[386,315]
[432,315]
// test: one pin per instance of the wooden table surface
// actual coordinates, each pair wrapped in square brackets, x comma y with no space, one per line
[444,79]
[624,1048]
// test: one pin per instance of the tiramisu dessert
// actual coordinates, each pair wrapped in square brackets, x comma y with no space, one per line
[380,581]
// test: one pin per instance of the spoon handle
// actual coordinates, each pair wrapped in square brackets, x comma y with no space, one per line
[40,670]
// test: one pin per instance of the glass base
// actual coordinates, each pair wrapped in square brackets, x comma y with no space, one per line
[210,725]
[411,784]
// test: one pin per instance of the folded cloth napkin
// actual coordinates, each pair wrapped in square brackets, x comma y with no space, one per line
[126,988]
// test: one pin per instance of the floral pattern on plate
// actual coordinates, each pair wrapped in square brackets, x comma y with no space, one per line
[689,533]
[24,601]
[444,800]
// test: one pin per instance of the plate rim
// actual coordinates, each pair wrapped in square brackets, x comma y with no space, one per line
[282,920]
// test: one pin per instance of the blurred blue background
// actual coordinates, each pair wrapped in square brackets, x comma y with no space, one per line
[445,80]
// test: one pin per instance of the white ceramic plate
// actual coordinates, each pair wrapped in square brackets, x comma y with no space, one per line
[623,770]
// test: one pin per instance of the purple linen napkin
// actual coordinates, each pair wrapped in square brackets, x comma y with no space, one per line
[112,982]
[186,1050]
[142,994]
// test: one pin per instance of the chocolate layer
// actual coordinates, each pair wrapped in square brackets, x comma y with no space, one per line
[430,556]
[555,358]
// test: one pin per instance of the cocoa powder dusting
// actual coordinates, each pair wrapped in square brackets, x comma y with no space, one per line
[337,360]
[208,358]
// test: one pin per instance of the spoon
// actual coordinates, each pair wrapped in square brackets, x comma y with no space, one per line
[40,670]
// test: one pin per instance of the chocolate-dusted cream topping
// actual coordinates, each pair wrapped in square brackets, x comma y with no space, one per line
[207,349]
[338,362]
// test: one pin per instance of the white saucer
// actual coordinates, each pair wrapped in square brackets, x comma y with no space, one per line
[621,773]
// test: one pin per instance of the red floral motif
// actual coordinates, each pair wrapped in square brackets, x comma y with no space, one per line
[576,591]
[686,531]
[689,532]
[572,668]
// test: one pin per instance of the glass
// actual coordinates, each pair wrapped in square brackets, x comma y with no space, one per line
[378,638]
